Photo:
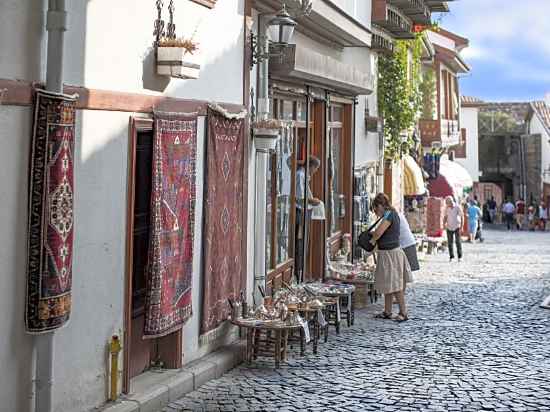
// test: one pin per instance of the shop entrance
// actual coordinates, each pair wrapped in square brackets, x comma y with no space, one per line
[315,129]
[140,354]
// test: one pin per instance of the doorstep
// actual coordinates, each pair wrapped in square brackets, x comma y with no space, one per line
[153,390]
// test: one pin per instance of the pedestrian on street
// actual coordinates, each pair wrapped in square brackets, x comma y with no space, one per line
[543,216]
[508,210]
[492,206]
[474,214]
[452,220]
[531,218]
[392,268]
[520,213]
[407,242]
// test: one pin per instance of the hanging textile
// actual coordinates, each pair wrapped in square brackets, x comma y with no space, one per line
[223,223]
[51,197]
[170,263]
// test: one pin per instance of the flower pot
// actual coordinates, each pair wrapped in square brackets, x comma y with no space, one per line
[178,62]
[266,139]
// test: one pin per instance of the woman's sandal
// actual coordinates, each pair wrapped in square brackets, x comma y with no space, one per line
[400,317]
[383,315]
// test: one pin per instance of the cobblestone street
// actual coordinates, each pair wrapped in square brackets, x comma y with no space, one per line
[476,340]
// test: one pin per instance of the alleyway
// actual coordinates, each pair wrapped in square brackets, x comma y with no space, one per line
[477,340]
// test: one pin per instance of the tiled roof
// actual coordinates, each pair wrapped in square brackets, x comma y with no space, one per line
[470,100]
[543,112]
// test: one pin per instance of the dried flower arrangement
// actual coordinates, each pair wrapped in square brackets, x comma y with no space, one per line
[268,124]
[189,45]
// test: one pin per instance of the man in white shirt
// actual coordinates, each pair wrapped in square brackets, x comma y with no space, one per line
[508,210]
[303,219]
[452,220]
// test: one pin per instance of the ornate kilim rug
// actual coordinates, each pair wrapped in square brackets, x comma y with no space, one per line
[170,264]
[50,242]
[223,224]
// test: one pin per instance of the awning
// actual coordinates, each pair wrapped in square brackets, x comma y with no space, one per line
[456,175]
[412,176]
[440,187]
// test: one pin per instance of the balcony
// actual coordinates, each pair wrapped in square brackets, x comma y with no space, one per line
[392,19]
[437,5]
[416,10]
[444,132]
[381,41]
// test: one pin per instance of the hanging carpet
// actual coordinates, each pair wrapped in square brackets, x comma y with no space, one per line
[51,196]
[170,262]
[223,223]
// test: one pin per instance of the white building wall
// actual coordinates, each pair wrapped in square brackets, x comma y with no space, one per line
[15,345]
[108,46]
[360,10]
[469,121]
[536,127]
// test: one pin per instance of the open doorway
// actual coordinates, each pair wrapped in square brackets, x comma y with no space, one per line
[141,354]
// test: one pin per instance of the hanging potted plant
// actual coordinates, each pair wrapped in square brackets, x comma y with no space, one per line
[178,58]
[266,132]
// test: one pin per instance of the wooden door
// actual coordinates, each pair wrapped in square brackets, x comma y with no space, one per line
[140,354]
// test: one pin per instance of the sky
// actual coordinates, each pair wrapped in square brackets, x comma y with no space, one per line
[509,50]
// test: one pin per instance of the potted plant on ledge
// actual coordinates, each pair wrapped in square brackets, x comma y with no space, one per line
[266,132]
[178,58]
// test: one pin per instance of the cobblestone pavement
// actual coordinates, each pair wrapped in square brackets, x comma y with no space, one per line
[477,340]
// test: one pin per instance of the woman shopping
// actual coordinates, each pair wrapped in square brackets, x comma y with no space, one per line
[392,269]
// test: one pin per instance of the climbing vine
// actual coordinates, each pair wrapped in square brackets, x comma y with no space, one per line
[399,95]
[428,89]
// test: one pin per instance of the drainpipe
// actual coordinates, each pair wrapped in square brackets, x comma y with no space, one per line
[262,157]
[44,343]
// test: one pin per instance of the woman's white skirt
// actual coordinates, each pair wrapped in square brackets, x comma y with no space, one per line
[392,271]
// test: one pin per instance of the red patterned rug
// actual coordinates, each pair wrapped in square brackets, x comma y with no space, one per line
[170,264]
[51,188]
[223,225]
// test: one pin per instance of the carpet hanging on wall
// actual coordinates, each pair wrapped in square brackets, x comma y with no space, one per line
[224,221]
[51,197]
[170,262]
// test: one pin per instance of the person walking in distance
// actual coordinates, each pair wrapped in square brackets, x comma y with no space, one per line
[508,210]
[452,220]
[474,213]
[520,213]
[543,216]
[492,206]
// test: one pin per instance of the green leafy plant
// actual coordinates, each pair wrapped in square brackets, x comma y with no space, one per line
[399,95]
[428,89]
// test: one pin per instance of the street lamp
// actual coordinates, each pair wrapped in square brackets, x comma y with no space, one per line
[278,31]
[281,27]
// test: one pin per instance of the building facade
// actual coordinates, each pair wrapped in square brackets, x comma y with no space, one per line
[109,61]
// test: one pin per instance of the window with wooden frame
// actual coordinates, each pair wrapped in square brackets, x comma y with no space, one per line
[207,3]
[336,209]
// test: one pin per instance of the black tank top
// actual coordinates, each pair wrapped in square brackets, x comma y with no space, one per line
[390,239]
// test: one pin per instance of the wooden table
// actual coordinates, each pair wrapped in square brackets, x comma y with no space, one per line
[267,338]
[311,316]
[339,294]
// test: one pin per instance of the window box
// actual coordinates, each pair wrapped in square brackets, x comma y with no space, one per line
[177,62]
[265,138]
